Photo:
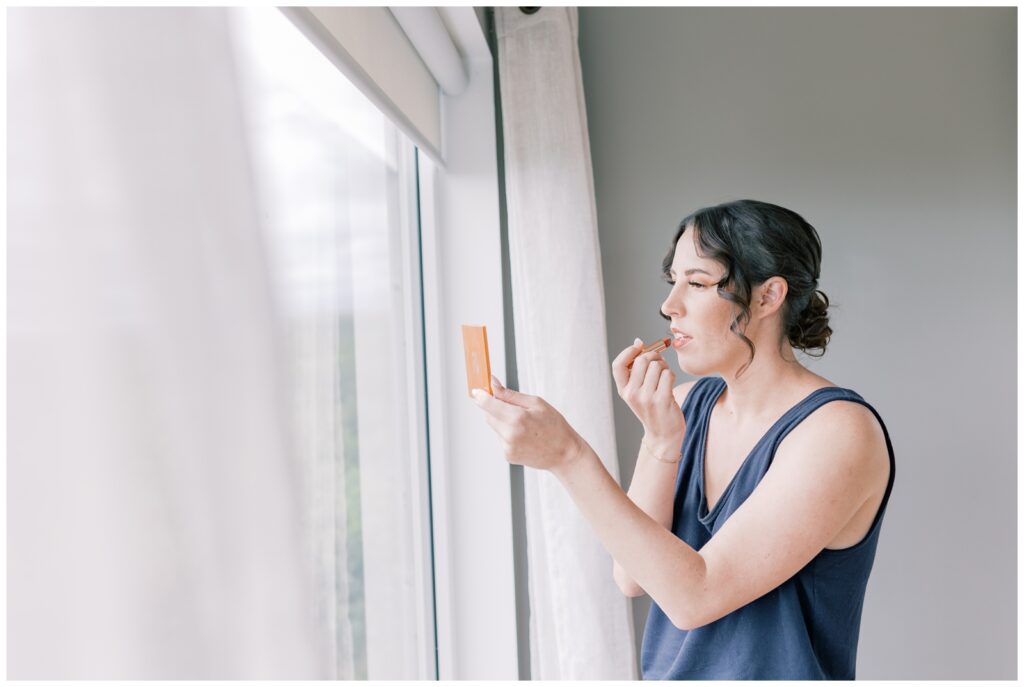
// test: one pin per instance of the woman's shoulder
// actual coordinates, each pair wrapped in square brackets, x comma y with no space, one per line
[847,420]
[848,410]
[814,381]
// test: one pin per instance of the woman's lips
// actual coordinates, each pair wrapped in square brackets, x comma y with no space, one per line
[679,342]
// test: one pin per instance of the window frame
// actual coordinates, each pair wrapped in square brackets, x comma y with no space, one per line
[471,480]
[462,472]
[417,410]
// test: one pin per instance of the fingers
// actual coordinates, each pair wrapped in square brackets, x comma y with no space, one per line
[505,432]
[506,407]
[511,396]
[643,367]
[495,407]
[630,367]
[652,375]
[508,420]
[666,382]
[498,426]
[620,373]
[647,384]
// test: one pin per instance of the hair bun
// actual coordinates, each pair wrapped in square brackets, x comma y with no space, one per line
[811,330]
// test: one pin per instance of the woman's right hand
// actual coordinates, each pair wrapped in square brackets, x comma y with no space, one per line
[647,390]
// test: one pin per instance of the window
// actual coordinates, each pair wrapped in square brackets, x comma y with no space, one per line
[337,186]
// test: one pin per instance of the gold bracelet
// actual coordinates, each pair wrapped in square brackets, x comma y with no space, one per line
[643,444]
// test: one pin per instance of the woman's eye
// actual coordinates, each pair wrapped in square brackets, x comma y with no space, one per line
[695,285]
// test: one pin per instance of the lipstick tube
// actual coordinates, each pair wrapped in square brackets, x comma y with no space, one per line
[658,346]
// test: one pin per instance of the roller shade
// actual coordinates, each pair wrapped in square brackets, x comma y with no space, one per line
[426,30]
[397,57]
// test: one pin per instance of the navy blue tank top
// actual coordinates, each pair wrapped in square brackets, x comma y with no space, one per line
[807,627]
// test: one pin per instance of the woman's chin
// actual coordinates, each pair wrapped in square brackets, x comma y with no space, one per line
[688,366]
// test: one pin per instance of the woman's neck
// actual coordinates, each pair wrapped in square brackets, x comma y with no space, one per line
[764,385]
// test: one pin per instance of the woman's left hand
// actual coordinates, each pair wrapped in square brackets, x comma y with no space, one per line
[533,433]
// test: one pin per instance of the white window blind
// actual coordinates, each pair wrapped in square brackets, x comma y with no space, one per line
[396,62]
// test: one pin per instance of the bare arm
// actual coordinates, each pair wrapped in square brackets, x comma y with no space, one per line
[653,491]
[811,491]
[823,472]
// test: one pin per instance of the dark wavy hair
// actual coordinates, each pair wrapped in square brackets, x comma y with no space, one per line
[754,241]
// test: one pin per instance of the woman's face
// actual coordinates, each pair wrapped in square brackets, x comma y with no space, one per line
[696,310]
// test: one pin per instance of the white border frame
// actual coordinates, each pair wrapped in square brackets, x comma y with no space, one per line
[471,481]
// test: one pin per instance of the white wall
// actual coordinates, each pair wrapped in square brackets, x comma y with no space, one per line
[891,130]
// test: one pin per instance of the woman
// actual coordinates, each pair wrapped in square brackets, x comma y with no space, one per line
[755,507]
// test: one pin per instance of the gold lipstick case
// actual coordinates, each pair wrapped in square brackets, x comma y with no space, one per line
[658,346]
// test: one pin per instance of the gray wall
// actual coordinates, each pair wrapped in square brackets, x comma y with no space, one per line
[893,131]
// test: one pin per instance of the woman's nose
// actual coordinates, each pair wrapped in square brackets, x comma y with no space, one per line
[670,308]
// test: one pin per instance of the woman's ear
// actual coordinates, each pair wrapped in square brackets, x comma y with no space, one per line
[771,295]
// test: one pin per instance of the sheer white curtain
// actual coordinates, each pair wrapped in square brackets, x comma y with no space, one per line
[337,188]
[154,529]
[580,623]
